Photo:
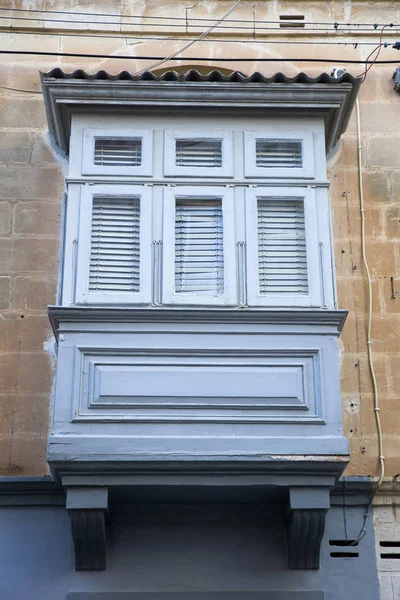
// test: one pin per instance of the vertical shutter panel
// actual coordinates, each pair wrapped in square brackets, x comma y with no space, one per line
[199,253]
[279,154]
[198,153]
[282,246]
[115,244]
[118,152]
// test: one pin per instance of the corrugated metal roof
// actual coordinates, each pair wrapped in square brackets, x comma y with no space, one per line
[331,98]
[213,76]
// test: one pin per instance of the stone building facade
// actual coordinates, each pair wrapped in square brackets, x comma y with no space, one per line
[164,544]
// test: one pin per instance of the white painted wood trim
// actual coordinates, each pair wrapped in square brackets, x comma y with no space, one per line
[88,143]
[83,295]
[313,298]
[252,170]
[169,295]
[171,169]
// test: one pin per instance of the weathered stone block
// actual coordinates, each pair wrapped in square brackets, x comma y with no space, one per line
[31,414]
[347,222]
[380,152]
[28,182]
[6,252]
[5,444]
[33,254]
[347,258]
[5,218]
[5,293]
[381,258]
[385,586]
[15,146]
[38,218]
[376,187]
[22,112]
[28,455]
[33,293]
[26,372]
[20,333]
[392,219]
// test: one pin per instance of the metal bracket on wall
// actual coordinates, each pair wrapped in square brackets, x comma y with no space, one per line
[396,77]
[88,509]
[305,526]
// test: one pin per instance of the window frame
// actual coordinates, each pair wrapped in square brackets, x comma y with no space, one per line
[82,293]
[169,296]
[251,169]
[170,169]
[314,296]
[89,136]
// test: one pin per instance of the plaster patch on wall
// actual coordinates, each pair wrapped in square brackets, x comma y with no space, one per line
[50,348]
[58,154]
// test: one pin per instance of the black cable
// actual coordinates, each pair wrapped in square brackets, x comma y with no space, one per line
[123,36]
[336,25]
[196,58]
[360,28]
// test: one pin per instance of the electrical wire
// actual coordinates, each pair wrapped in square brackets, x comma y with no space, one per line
[181,39]
[367,514]
[242,24]
[336,25]
[196,58]
[301,26]
[5,87]
[379,48]
[197,39]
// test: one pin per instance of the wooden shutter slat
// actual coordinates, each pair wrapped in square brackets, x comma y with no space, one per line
[282,253]
[279,153]
[198,152]
[118,152]
[199,258]
[115,245]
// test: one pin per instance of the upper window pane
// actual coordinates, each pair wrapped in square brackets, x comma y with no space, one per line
[281,154]
[118,152]
[198,153]
[199,247]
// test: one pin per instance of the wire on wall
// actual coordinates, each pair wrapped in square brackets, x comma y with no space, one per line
[336,25]
[367,514]
[197,39]
[197,58]
[243,40]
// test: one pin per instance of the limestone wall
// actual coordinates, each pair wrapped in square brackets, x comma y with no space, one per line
[32,186]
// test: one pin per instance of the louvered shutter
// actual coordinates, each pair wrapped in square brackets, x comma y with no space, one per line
[199,249]
[118,152]
[282,253]
[115,245]
[279,154]
[200,153]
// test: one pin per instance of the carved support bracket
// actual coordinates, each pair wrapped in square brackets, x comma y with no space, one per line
[88,509]
[305,526]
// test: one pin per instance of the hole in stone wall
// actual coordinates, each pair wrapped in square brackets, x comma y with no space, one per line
[390,544]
